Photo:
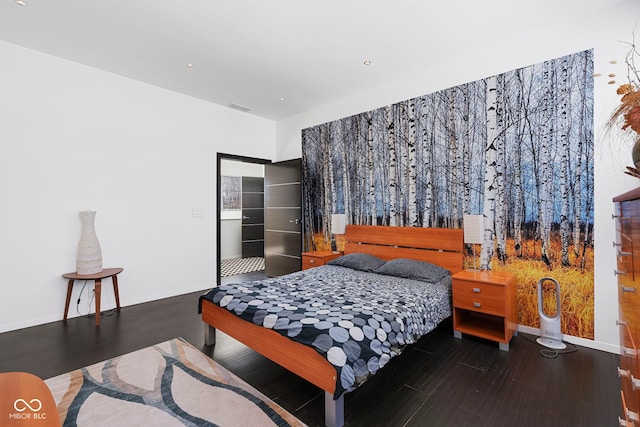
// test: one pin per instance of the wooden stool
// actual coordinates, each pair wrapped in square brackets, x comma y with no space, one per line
[26,401]
[97,278]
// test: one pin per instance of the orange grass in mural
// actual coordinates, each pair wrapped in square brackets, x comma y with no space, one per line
[576,291]
[322,245]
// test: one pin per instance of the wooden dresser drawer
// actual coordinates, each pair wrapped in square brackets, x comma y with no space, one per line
[481,297]
[628,370]
[624,257]
[629,307]
[628,350]
[631,416]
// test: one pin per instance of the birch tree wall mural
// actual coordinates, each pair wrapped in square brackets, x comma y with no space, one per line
[516,148]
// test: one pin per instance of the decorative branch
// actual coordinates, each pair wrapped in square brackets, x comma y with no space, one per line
[629,109]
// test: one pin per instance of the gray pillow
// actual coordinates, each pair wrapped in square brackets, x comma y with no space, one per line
[358,261]
[412,269]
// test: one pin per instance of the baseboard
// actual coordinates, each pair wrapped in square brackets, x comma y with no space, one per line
[596,345]
[129,302]
[29,323]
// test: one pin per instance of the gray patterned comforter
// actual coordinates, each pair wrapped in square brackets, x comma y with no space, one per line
[357,320]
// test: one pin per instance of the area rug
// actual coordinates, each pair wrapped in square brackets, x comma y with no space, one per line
[168,384]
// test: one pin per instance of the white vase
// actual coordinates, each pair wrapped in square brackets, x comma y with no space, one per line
[89,260]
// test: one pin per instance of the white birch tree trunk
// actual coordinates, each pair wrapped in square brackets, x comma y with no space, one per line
[466,151]
[489,176]
[391,143]
[413,169]
[518,213]
[546,180]
[326,178]
[346,184]
[371,192]
[453,161]
[563,136]
[577,181]
[577,199]
[362,174]
[500,204]
[402,166]
[335,135]
[384,193]
[427,155]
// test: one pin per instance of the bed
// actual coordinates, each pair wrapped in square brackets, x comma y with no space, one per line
[342,322]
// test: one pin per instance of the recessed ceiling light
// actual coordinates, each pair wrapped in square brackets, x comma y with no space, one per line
[367,62]
[21,2]
[190,65]
[282,99]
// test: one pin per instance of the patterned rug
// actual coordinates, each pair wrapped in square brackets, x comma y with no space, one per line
[233,266]
[169,384]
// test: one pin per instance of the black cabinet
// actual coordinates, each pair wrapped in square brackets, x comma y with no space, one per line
[252,217]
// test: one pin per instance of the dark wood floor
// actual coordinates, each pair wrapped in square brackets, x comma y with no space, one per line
[440,381]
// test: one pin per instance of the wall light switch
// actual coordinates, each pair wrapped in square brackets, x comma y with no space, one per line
[196,213]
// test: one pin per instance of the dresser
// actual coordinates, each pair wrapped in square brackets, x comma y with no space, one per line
[484,305]
[627,219]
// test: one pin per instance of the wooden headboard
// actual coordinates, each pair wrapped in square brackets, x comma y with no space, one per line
[441,246]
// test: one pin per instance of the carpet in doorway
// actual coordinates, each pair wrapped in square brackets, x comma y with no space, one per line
[168,384]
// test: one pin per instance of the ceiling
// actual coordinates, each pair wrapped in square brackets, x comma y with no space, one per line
[279,57]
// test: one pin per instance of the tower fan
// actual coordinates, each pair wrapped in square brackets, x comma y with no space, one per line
[550,335]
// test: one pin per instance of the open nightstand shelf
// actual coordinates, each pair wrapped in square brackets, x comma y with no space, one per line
[480,324]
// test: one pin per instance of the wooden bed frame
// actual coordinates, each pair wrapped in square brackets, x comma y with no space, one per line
[439,246]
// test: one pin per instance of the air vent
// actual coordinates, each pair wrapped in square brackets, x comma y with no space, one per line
[239,107]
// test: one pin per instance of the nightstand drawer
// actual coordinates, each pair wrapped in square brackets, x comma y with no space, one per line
[317,258]
[480,297]
[311,261]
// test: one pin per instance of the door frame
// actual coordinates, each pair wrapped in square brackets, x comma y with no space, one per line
[219,158]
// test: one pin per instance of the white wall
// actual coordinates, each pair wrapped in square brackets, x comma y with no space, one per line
[557,37]
[230,238]
[74,138]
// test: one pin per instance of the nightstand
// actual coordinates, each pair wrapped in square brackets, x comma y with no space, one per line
[316,258]
[484,305]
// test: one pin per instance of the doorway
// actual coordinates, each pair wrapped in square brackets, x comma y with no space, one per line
[275,212]
[240,215]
